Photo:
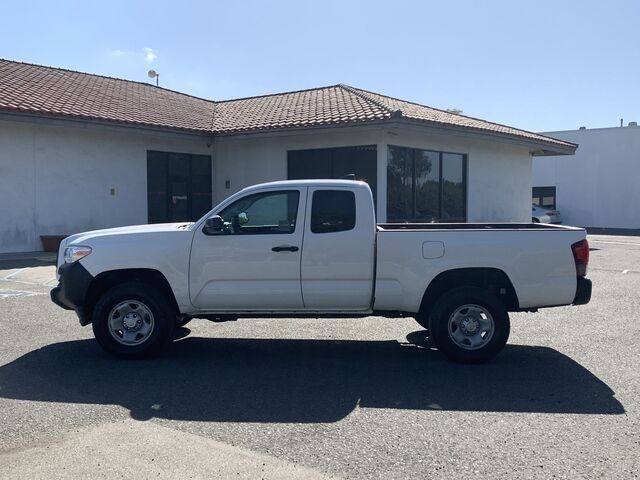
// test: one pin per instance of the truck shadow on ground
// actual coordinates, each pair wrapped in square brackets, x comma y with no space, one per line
[268,380]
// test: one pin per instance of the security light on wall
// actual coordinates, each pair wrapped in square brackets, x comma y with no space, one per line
[154,74]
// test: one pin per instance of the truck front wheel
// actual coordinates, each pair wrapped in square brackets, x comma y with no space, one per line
[133,320]
[469,325]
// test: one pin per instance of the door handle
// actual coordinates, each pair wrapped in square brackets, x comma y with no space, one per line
[285,248]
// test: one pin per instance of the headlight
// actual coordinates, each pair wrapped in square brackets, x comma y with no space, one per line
[73,254]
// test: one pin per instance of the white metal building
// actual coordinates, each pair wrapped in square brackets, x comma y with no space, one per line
[80,152]
[598,187]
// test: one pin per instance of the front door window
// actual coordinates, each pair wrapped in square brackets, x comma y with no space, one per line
[262,213]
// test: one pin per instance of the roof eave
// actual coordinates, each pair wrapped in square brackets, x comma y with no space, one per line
[546,151]
[537,148]
[61,119]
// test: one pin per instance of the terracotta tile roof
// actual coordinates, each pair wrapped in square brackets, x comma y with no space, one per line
[414,111]
[54,91]
[306,108]
[57,92]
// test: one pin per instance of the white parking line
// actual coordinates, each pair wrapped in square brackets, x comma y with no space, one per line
[15,273]
[24,282]
[6,293]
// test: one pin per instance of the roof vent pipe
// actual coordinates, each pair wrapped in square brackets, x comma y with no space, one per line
[621,122]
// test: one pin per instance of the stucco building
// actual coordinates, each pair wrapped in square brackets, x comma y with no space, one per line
[598,187]
[81,151]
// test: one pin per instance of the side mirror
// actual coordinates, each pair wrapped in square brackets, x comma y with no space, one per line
[213,225]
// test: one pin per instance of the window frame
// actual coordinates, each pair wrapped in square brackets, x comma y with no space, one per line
[329,155]
[440,154]
[542,189]
[265,193]
[334,190]
[161,160]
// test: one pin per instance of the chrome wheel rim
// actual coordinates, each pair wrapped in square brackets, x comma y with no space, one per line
[471,327]
[131,322]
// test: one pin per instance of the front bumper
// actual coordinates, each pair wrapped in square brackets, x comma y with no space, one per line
[58,297]
[583,291]
[72,289]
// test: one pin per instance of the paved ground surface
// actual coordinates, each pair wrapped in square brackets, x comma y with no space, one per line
[325,398]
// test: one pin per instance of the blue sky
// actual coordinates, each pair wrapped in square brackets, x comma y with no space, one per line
[540,65]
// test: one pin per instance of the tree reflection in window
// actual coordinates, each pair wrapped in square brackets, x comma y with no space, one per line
[425,186]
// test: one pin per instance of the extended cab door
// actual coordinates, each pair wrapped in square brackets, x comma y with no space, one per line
[338,255]
[254,262]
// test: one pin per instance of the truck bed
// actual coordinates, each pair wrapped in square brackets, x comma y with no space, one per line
[537,258]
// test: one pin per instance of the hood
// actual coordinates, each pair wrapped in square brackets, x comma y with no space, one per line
[78,238]
[130,237]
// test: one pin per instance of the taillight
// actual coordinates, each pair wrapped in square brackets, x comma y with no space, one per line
[581,256]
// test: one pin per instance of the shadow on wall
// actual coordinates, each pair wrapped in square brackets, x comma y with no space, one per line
[24,260]
[263,380]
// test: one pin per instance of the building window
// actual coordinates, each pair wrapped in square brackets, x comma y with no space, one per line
[335,163]
[178,186]
[333,211]
[425,186]
[544,197]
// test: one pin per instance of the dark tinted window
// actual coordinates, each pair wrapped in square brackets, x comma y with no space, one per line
[425,186]
[178,186]
[453,188]
[544,197]
[333,211]
[335,163]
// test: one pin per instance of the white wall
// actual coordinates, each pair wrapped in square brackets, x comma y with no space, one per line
[499,174]
[55,177]
[599,185]
[247,161]
[56,180]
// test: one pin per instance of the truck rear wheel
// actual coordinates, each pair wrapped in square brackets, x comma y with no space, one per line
[133,320]
[469,325]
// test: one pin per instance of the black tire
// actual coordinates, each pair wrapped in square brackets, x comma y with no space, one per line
[422,320]
[162,323]
[443,332]
[535,220]
[181,322]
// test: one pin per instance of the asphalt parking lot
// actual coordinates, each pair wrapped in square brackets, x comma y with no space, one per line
[348,398]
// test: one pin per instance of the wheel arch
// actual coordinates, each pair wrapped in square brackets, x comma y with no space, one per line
[492,279]
[108,279]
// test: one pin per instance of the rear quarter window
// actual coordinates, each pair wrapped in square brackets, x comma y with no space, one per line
[333,211]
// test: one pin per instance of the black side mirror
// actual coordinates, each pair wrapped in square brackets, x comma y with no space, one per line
[213,225]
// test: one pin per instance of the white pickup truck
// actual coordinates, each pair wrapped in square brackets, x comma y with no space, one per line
[313,249]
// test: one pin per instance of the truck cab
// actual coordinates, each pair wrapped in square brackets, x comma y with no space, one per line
[288,247]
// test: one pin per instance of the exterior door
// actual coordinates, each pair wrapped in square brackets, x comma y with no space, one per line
[339,248]
[178,186]
[253,264]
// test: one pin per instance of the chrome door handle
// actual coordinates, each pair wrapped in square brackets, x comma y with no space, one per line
[285,248]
